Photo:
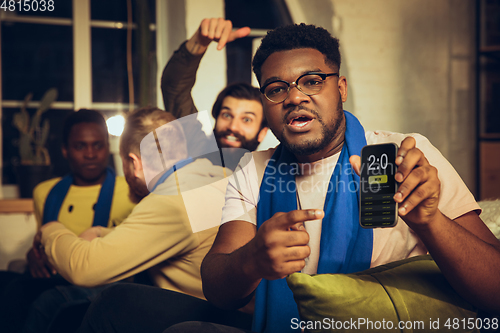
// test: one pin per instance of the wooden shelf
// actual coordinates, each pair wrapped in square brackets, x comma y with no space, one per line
[490,136]
[489,49]
[488,85]
[489,152]
[16,206]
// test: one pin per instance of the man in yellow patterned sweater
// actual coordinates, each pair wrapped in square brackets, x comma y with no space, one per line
[167,233]
[91,197]
[85,146]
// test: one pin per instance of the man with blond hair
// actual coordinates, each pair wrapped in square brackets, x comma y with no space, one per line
[158,236]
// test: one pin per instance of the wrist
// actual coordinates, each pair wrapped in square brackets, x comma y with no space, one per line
[433,225]
[194,46]
[49,225]
[247,254]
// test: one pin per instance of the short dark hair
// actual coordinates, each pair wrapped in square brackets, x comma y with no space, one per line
[82,116]
[240,90]
[297,36]
[140,123]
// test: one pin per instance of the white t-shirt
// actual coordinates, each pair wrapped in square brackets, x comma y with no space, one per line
[389,244]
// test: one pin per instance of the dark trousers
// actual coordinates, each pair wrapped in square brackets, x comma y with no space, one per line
[136,308]
[39,305]
[60,309]
[199,326]
[18,291]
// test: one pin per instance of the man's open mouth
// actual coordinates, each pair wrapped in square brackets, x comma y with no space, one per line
[299,121]
[232,138]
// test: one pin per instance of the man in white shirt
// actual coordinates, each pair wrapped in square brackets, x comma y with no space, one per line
[270,230]
[297,67]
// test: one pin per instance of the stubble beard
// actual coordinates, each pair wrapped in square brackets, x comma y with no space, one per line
[313,146]
[250,145]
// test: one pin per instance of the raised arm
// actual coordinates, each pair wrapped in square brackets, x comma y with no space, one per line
[177,81]
[241,256]
[179,75]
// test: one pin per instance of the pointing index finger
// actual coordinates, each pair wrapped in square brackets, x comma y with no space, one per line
[287,220]
[229,35]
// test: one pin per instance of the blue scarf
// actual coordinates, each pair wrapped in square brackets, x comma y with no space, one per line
[102,208]
[345,247]
[174,168]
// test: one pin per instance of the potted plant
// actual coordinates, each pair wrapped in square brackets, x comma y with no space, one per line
[34,165]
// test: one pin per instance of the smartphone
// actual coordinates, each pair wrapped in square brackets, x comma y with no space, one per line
[377,207]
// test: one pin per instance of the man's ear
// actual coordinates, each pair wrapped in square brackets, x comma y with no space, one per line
[137,163]
[262,134]
[343,88]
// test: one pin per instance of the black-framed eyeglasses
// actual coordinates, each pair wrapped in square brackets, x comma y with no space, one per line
[309,83]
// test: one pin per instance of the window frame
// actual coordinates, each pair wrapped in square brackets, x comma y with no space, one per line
[82,60]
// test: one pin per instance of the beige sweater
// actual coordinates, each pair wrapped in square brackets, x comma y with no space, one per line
[157,235]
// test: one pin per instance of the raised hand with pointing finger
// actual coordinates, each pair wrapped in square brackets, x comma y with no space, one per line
[281,244]
[214,29]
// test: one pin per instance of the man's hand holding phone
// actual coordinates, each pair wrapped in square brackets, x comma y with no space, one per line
[417,185]
[420,187]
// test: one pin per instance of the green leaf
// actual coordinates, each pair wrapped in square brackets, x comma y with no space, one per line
[33,136]
[27,99]
[48,98]
[44,133]
[25,150]
[20,122]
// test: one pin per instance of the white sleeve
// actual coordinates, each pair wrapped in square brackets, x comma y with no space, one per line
[455,198]
[242,193]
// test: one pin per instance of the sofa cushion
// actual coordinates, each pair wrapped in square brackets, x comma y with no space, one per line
[491,215]
[407,291]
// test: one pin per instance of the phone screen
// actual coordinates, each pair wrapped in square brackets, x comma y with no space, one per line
[378,186]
